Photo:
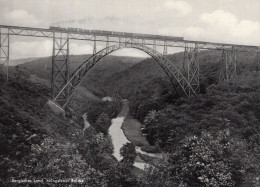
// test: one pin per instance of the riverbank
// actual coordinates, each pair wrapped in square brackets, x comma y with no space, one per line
[126,129]
[116,133]
[132,131]
[145,152]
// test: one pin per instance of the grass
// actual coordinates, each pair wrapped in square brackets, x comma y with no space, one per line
[132,131]
[150,160]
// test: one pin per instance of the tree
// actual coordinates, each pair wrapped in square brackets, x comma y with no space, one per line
[128,153]
[103,123]
[209,160]
[52,160]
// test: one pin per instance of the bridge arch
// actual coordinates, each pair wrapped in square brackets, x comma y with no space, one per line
[64,95]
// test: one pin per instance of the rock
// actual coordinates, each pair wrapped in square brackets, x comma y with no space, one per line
[151,149]
[4,148]
[56,109]
[36,139]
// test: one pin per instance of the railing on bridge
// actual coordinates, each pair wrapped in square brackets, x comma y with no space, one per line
[60,56]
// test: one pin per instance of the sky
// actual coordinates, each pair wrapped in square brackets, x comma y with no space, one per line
[224,21]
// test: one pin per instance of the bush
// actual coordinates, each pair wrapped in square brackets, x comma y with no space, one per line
[52,160]
[209,161]
[128,153]
[103,123]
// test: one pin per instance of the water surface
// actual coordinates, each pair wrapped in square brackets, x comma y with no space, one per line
[116,133]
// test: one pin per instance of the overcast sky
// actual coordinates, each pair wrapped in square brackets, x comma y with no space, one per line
[228,21]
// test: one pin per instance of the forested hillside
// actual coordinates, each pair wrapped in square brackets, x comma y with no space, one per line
[211,139]
[216,131]
[105,68]
[14,62]
[128,81]
[38,145]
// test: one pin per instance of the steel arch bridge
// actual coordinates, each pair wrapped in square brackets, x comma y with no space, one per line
[64,84]
[78,76]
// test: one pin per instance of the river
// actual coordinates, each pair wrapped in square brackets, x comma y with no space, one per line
[119,138]
[117,134]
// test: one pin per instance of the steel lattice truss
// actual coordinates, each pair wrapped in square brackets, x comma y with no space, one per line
[78,35]
[191,67]
[64,85]
[4,53]
[228,68]
[78,76]
[60,63]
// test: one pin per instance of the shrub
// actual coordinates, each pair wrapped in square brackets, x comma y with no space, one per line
[209,161]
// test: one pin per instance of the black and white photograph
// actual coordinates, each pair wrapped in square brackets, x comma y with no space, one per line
[130,93]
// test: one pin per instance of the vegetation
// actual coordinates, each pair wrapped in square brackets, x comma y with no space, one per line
[101,113]
[204,138]
[95,79]
[38,145]
[208,161]
[128,153]
[208,140]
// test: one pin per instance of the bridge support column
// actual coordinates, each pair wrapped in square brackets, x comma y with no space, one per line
[229,65]
[192,69]
[165,52]
[154,45]
[94,48]
[4,52]
[60,67]
[107,42]
[258,60]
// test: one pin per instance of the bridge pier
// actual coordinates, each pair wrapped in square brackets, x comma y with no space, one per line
[4,52]
[154,45]
[165,51]
[55,108]
[229,65]
[258,60]
[107,42]
[60,67]
[192,69]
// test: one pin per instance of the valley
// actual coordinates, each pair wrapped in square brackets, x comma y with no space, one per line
[161,129]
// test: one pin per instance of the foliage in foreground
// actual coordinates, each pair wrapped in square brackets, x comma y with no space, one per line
[128,153]
[51,160]
[101,113]
[192,130]
[36,144]
[208,161]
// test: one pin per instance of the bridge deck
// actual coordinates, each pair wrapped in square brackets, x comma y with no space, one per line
[117,37]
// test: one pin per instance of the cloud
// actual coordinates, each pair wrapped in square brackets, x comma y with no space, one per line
[223,26]
[181,6]
[172,31]
[219,19]
[77,49]
[21,18]
[194,32]
[42,48]
[248,28]
[24,49]
[218,26]
[130,52]
[90,22]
